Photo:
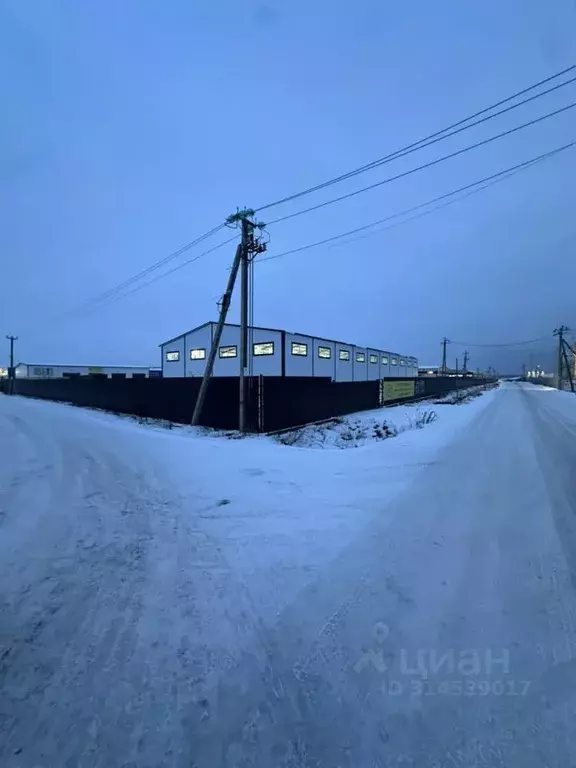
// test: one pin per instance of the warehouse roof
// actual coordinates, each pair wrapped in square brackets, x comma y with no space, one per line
[82,365]
[280,330]
[212,322]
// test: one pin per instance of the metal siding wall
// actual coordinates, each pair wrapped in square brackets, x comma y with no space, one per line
[344,368]
[311,365]
[384,368]
[296,365]
[30,372]
[200,339]
[229,366]
[324,366]
[115,369]
[171,370]
[360,370]
[373,368]
[267,365]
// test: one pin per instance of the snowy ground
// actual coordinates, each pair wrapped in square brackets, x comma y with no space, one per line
[174,600]
[363,428]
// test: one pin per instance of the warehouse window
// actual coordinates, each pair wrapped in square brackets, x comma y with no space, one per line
[393,361]
[228,351]
[198,354]
[360,357]
[117,375]
[325,353]
[344,354]
[263,348]
[402,362]
[374,359]
[384,361]
[299,349]
[172,357]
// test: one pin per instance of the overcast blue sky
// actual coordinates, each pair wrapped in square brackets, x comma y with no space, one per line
[131,127]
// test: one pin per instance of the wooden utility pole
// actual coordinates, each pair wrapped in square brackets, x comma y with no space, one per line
[560,333]
[248,247]
[224,306]
[565,347]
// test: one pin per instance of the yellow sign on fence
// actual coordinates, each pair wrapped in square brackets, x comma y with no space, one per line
[397,390]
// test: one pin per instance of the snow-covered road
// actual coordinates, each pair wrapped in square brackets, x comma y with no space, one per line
[176,601]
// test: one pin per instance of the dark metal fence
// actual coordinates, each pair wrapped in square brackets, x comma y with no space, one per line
[172,399]
[274,402]
[293,401]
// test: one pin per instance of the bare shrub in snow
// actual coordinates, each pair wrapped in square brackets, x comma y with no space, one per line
[384,430]
[290,438]
[351,432]
[354,431]
[423,418]
[460,396]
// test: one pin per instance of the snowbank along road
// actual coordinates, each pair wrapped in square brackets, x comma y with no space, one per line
[180,600]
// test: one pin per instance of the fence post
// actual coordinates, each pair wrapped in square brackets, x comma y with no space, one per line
[260,404]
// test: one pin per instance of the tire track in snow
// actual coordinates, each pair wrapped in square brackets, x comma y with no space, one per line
[110,602]
[446,574]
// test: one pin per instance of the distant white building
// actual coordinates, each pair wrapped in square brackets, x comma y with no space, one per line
[37,371]
[274,352]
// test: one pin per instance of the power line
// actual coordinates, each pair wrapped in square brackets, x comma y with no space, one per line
[506,344]
[152,268]
[387,218]
[440,207]
[431,138]
[155,279]
[423,166]
[487,181]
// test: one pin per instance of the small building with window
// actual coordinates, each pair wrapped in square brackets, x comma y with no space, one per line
[274,352]
[43,371]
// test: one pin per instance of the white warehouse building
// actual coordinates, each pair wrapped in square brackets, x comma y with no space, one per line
[273,352]
[43,371]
